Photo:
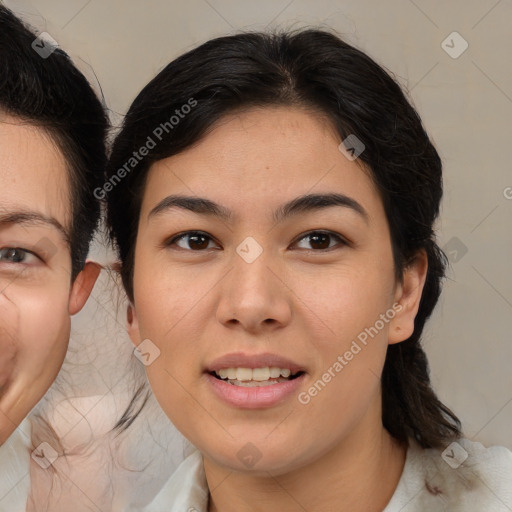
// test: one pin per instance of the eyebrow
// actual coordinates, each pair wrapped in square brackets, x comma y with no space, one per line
[301,204]
[32,218]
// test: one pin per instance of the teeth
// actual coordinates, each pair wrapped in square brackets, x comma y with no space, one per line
[275,372]
[256,374]
[256,384]
[261,374]
[243,374]
[223,374]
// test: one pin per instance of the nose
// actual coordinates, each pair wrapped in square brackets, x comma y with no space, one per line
[254,296]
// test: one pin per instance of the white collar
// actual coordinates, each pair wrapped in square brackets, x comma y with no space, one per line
[15,469]
[482,482]
[186,490]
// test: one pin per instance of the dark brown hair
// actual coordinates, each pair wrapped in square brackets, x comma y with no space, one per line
[53,94]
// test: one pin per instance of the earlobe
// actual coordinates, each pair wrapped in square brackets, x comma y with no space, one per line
[133,324]
[408,296]
[82,286]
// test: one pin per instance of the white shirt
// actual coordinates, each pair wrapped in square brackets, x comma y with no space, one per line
[14,470]
[466,477]
[143,460]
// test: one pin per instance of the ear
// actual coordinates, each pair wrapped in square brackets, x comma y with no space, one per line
[82,286]
[408,296]
[133,325]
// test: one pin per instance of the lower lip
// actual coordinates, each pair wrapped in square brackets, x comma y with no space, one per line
[257,397]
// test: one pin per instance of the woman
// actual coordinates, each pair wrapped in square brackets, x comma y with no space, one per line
[273,197]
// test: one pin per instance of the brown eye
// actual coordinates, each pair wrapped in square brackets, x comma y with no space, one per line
[320,240]
[197,241]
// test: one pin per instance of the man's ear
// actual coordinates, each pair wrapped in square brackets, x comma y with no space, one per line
[82,286]
[133,325]
[407,298]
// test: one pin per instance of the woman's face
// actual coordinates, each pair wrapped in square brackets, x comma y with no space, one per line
[36,296]
[271,290]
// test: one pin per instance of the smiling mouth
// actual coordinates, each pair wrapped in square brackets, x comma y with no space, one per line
[255,377]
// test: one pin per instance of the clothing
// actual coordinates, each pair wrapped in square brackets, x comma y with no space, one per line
[14,470]
[129,469]
[482,483]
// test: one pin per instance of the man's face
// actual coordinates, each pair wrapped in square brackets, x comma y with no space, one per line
[37,295]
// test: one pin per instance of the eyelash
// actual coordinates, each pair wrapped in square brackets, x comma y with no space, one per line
[331,234]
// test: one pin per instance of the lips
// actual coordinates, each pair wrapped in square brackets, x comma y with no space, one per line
[254,381]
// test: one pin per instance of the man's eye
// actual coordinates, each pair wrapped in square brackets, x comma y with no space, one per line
[16,255]
[319,240]
[196,240]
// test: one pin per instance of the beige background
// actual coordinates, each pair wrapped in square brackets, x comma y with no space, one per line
[466,105]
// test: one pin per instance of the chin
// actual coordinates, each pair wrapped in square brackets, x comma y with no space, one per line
[257,458]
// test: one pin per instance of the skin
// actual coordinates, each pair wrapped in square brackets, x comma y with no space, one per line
[37,295]
[297,299]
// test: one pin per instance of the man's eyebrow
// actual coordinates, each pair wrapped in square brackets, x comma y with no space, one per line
[32,218]
[301,204]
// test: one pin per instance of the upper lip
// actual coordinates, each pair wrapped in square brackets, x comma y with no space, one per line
[242,360]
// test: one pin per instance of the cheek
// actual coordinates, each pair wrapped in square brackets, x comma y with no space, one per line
[172,311]
[42,335]
[169,303]
[349,330]
[9,333]
[36,334]
[343,303]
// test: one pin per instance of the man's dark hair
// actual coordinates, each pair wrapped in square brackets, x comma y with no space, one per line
[311,69]
[51,93]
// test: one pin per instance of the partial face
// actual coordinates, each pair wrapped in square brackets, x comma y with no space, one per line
[36,297]
[250,311]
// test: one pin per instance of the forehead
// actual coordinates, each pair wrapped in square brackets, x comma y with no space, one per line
[263,156]
[33,171]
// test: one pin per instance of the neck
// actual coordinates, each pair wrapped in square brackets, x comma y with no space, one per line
[360,474]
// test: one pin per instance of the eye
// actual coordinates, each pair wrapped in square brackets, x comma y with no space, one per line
[17,255]
[197,240]
[321,239]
